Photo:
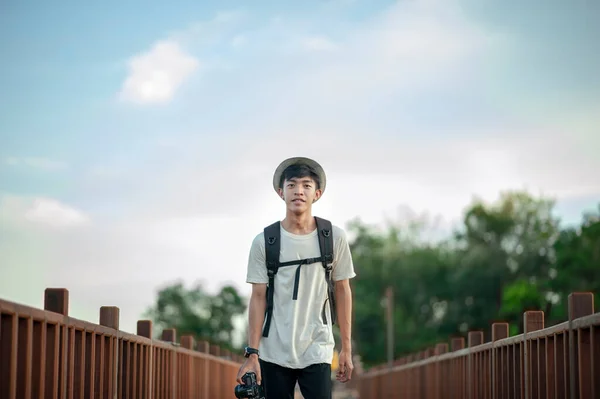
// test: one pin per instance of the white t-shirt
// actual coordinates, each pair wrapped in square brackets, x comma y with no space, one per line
[297,335]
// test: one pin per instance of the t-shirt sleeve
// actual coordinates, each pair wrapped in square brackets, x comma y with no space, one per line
[343,267]
[257,269]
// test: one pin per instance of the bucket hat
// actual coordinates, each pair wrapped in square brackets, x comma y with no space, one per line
[314,165]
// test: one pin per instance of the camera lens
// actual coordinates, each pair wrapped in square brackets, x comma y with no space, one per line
[242,391]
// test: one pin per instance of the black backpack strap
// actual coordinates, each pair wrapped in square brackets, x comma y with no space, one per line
[272,235]
[325,233]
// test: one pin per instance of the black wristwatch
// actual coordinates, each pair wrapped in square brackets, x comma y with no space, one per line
[249,351]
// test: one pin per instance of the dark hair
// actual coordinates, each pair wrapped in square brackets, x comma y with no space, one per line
[299,171]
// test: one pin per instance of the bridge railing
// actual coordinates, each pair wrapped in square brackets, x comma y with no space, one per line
[47,354]
[561,361]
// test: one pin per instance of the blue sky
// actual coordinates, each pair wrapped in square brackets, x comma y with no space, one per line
[134,136]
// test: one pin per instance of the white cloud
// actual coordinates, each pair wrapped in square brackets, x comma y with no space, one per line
[130,259]
[45,212]
[239,40]
[53,213]
[371,176]
[227,16]
[299,71]
[156,75]
[36,163]
[412,44]
[318,43]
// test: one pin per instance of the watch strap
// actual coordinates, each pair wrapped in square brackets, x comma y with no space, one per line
[250,351]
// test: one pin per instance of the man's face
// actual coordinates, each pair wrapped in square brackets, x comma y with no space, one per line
[299,193]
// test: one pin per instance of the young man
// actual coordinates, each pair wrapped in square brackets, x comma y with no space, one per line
[295,344]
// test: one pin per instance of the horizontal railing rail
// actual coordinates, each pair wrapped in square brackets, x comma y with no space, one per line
[561,361]
[48,354]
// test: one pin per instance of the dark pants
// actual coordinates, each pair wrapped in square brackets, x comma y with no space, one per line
[279,382]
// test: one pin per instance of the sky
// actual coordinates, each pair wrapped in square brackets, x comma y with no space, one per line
[138,140]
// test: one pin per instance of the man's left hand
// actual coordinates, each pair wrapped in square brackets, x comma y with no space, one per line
[345,367]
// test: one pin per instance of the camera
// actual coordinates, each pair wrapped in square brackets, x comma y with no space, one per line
[249,387]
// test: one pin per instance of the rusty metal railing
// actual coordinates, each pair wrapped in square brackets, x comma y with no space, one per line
[47,354]
[562,361]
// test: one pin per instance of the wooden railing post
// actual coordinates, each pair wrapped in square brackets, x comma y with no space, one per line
[204,347]
[144,329]
[188,374]
[57,300]
[474,338]
[170,335]
[499,331]
[533,320]
[581,304]
[441,383]
[458,365]
[109,317]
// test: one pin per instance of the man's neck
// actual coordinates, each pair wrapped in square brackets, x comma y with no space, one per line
[299,224]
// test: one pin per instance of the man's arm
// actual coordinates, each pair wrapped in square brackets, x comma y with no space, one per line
[257,276]
[256,317]
[343,298]
[256,314]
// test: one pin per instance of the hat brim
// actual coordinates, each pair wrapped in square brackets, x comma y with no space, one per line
[303,161]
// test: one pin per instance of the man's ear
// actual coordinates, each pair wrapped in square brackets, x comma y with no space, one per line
[280,191]
[318,194]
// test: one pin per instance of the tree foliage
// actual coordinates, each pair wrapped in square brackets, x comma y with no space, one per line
[196,312]
[504,258]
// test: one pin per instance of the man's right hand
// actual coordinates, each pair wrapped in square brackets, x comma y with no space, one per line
[251,364]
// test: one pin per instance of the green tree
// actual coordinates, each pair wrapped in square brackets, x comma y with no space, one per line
[223,308]
[507,248]
[417,271]
[506,257]
[196,312]
[577,264]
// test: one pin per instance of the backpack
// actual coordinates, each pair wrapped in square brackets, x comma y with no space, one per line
[272,235]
